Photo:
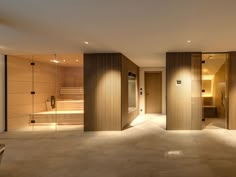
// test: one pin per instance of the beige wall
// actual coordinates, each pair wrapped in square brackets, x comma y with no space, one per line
[141,85]
[2,93]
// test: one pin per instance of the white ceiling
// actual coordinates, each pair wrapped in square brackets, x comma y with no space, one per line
[142,30]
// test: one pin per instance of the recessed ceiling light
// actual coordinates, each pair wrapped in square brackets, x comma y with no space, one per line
[86,42]
[76,60]
[64,60]
[210,57]
[189,41]
[55,61]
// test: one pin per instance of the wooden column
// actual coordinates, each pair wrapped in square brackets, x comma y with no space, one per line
[106,90]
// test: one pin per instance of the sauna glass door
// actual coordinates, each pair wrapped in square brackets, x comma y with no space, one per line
[44,87]
[45,92]
[58,102]
[214,90]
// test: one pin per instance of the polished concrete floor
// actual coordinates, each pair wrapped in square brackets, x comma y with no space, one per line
[145,150]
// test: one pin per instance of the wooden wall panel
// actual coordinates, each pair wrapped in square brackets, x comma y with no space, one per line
[106,91]
[184,100]
[102,92]
[72,77]
[232,91]
[128,66]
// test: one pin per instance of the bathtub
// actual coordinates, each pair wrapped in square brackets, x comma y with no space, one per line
[66,112]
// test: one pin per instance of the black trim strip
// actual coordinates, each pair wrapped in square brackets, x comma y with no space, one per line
[5,62]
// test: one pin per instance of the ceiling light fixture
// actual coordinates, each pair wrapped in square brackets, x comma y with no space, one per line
[77,60]
[64,60]
[189,41]
[86,42]
[210,57]
[55,61]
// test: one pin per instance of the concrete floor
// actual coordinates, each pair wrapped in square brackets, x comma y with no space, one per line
[214,123]
[146,150]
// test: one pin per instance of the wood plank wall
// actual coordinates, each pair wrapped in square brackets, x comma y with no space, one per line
[106,91]
[183,101]
[232,91]
[196,91]
[128,66]
[102,92]
[72,77]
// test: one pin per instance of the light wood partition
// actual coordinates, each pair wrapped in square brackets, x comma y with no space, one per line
[196,91]
[106,91]
[183,79]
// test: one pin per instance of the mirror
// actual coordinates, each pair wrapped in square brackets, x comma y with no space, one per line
[132,82]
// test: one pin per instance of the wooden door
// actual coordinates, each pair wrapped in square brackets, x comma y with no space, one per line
[153,92]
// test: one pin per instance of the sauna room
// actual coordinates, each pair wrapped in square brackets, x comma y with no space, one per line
[45,92]
[214,90]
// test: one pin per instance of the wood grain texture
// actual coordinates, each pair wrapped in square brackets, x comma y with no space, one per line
[153,92]
[72,77]
[196,91]
[102,92]
[106,91]
[232,91]
[183,101]
[128,66]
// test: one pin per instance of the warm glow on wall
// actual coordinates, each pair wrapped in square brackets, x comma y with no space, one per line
[207,85]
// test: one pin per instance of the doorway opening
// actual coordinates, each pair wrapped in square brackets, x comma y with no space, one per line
[214,90]
[153,92]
